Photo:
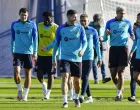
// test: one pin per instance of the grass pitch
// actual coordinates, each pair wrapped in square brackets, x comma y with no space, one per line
[103,95]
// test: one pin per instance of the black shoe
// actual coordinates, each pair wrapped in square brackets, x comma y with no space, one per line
[118,98]
[106,80]
[132,98]
[65,105]
[81,100]
[77,102]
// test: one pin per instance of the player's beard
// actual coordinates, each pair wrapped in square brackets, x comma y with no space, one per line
[47,23]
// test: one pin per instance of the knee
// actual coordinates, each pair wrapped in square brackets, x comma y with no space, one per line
[135,76]
[65,77]
[16,71]
[84,78]
[77,81]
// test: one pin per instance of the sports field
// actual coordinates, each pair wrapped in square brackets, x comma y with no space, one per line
[103,95]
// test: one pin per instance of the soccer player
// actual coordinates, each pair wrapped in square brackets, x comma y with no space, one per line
[98,24]
[135,47]
[46,31]
[87,59]
[117,30]
[133,82]
[24,42]
[71,41]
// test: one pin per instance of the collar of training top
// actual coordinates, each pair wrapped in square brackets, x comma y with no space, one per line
[26,21]
[87,27]
[67,25]
[118,20]
[49,25]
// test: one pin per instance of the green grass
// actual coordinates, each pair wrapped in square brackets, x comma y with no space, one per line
[103,95]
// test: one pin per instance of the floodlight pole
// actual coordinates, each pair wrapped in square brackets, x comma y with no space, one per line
[101,4]
[85,6]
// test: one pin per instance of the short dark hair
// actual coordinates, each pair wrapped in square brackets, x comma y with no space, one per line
[83,15]
[71,12]
[97,17]
[47,13]
[138,14]
[23,10]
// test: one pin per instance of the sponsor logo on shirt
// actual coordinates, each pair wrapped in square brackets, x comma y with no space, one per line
[42,36]
[119,31]
[67,39]
[18,31]
[22,32]
[123,25]
[88,33]
[27,26]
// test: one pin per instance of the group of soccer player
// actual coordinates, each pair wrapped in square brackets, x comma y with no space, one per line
[72,46]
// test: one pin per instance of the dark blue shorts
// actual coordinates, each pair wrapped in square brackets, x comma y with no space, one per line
[133,59]
[44,64]
[118,56]
[23,60]
[86,67]
[136,65]
[75,68]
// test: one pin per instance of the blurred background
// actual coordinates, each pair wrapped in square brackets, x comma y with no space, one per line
[9,12]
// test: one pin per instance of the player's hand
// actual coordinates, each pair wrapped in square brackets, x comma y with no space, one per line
[101,39]
[81,52]
[34,57]
[129,58]
[99,64]
[54,63]
[43,48]
[108,32]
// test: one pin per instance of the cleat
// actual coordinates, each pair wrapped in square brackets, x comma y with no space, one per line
[81,99]
[77,103]
[106,80]
[96,82]
[132,99]
[65,105]
[25,99]
[118,98]
[89,100]
[19,97]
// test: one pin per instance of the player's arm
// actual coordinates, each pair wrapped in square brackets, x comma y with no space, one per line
[48,47]
[51,45]
[12,38]
[101,33]
[97,47]
[130,31]
[84,42]
[134,47]
[56,45]
[107,32]
[35,40]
